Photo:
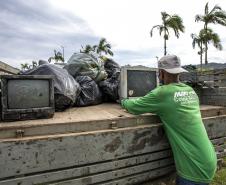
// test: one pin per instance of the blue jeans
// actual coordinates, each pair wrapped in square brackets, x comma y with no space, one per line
[182,181]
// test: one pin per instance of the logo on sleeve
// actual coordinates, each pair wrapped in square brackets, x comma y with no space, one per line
[185,97]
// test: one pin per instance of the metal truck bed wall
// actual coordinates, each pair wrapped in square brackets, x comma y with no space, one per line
[99,145]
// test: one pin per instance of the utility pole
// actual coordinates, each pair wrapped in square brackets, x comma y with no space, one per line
[157,58]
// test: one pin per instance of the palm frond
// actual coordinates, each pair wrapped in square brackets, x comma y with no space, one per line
[156,26]
[176,23]
[220,14]
[206,8]
[195,39]
[167,30]
[102,41]
[164,16]
[199,18]
[107,45]
[219,18]
[161,29]
[210,37]
[50,59]
[220,21]
[110,52]
[215,9]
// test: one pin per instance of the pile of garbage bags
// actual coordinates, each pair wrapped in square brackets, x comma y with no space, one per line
[83,81]
[82,64]
[66,89]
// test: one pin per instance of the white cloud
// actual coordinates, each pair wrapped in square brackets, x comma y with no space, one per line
[125,23]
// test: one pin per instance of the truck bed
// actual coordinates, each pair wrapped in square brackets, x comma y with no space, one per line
[82,119]
[100,144]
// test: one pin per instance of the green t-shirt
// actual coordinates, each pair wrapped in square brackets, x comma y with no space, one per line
[178,107]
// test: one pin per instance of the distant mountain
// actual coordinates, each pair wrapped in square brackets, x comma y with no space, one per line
[208,66]
[213,65]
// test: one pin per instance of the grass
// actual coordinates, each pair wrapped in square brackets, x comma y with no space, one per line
[220,177]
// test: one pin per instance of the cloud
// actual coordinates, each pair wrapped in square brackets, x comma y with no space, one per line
[31,30]
[146,57]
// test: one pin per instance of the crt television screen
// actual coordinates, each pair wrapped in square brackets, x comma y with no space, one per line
[140,82]
[28,93]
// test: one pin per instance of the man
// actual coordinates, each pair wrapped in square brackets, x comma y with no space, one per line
[178,107]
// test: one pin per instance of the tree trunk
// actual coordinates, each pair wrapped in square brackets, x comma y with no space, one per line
[206,47]
[206,61]
[164,37]
[201,52]
[164,46]
[201,61]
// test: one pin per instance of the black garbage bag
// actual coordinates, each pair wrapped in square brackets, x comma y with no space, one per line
[111,67]
[42,62]
[90,92]
[66,89]
[110,87]
[82,64]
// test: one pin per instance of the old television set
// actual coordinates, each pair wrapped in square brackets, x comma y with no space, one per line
[137,81]
[26,97]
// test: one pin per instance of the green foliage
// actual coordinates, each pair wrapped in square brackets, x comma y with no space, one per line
[216,16]
[57,57]
[205,36]
[26,66]
[88,49]
[220,177]
[210,37]
[102,47]
[173,22]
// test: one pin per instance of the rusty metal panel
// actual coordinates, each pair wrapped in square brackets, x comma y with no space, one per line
[25,156]
[142,177]
[88,177]
[121,176]
[73,158]
[77,172]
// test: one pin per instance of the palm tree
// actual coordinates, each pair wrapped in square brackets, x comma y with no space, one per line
[216,16]
[103,47]
[57,57]
[210,37]
[24,66]
[88,48]
[169,22]
[198,39]
[206,36]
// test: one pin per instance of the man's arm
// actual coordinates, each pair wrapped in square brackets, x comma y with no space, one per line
[145,104]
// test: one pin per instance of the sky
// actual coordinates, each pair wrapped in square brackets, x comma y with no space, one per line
[32,29]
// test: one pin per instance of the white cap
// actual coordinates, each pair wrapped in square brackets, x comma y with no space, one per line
[171,64]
